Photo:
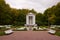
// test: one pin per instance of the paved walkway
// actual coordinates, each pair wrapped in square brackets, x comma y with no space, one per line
[30,35]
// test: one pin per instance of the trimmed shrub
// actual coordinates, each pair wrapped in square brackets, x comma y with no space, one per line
[34,29]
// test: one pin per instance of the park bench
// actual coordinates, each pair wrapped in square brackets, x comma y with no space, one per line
[8,31]
[51,31]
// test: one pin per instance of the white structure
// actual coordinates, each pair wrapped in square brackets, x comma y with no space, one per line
[8,31]
[52,31]
[30,20]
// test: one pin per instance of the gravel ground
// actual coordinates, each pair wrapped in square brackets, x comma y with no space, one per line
[30,35]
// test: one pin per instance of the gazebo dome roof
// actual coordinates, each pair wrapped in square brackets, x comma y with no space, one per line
[30,14]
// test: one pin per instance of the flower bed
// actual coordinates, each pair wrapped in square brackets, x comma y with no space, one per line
[20,29]
[40,29]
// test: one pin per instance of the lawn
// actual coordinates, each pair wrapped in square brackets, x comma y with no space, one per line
[2,33]
[57,33]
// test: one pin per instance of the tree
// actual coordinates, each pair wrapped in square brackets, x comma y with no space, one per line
[53,14]
[39,18]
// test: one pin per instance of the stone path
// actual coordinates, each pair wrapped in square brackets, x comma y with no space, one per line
[30,35]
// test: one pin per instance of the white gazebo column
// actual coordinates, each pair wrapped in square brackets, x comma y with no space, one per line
[33,20]
[27,20]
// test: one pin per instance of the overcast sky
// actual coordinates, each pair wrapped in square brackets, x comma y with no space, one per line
[38,5]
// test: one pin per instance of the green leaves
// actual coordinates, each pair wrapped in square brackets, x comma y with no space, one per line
[15,16]
[53,14]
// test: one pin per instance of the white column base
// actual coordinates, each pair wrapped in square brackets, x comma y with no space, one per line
[28,25]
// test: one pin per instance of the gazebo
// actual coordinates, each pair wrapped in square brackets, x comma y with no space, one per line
[30,20]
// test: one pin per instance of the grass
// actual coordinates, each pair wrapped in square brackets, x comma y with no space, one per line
[57,33]
[2,29]
[43,26]
[2,33]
